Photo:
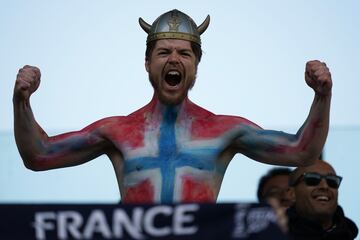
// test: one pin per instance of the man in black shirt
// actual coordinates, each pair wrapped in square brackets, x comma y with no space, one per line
[316,213]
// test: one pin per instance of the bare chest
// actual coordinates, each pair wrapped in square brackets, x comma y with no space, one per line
[170,161]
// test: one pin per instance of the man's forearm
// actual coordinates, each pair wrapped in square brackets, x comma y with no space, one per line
[29,135]
[314,132]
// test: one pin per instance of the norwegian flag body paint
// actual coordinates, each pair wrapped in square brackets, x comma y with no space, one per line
[175,159]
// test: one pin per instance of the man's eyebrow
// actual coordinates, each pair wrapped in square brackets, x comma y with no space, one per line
[186,50]
[162,49]
[178,49]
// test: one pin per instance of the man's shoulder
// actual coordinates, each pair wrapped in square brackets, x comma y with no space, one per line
[231,121]
[112,122]
[345,223]
[112,119]
[203,114]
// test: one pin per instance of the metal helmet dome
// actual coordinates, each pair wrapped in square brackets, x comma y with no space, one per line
[174,25]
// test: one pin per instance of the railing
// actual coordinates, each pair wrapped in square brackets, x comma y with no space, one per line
[109,221]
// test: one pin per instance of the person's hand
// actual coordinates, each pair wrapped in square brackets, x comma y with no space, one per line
[280,213]
[27,81]
[318,77]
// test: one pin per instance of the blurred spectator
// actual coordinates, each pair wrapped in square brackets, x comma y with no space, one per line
[275,184]
[316,213]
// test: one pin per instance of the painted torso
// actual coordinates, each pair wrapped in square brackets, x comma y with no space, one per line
[171,154]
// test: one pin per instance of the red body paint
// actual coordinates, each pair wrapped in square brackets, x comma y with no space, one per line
[210,128]
[308,134]
[141,193]
[196,191]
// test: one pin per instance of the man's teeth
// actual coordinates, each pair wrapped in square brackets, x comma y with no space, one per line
[174,73]
[322,198]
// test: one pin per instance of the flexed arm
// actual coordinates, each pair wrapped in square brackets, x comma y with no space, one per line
[305,146]
[37,149]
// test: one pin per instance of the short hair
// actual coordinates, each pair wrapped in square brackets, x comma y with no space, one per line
[194,46]
[277,171]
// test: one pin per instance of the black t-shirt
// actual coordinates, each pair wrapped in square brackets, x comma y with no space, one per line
[303,229]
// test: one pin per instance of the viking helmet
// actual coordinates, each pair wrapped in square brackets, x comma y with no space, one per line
[174,25]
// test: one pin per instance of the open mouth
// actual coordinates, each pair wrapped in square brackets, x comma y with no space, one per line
[173,78]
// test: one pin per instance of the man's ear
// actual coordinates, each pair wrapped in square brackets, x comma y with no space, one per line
[147,64]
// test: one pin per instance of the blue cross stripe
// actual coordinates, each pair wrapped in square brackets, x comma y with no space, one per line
[170,158]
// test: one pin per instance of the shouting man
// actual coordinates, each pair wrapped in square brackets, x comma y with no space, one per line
[171,150]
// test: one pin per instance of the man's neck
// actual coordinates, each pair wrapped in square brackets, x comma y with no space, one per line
[158,107]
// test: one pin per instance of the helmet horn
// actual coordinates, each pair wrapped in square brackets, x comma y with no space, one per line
[144,25]
[202,28]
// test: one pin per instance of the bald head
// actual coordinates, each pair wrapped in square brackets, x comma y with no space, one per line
[319,164]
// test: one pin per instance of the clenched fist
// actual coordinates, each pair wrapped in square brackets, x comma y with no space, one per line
[27,81]
[318,77]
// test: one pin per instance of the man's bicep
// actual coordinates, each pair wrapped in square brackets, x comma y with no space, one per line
[70,149]
[259,143]
[72,142]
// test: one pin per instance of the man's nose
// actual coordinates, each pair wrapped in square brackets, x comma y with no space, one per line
[174,57]
[323,183]
[288,196]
